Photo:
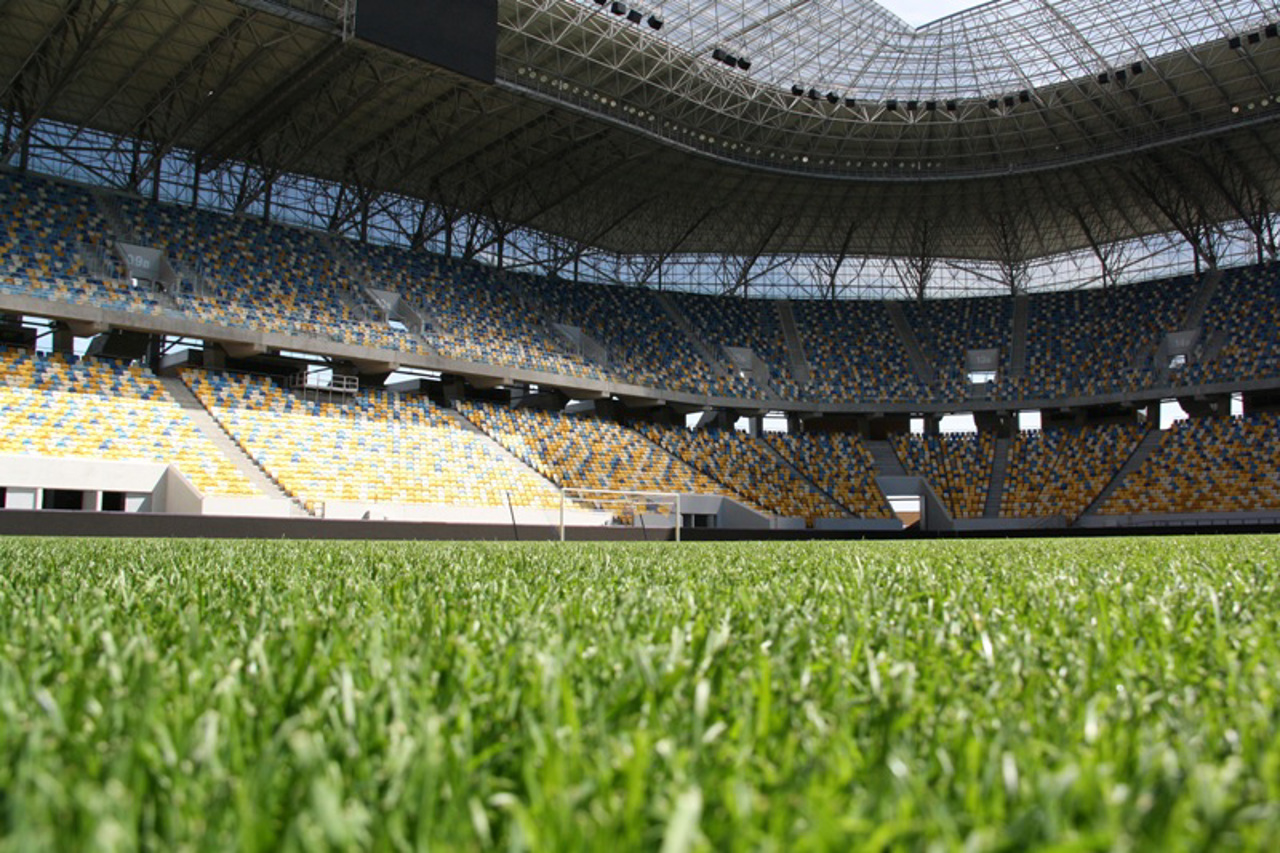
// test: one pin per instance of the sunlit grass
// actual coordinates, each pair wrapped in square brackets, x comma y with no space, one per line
[985,696]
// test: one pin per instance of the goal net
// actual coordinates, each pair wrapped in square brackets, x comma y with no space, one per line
[656,515]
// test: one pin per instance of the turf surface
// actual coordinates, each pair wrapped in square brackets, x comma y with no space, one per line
[1105,694]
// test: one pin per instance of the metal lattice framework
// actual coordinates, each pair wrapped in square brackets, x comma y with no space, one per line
[1027,143]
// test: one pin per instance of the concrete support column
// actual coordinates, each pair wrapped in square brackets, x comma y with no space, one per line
[63,340]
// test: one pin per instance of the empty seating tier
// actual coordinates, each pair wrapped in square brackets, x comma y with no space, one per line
[841,464]
[750,468]
[376,447]
[240,272]
[584,452]
[855,353]
[63,407]
[1206,465]
[1059,472]
[958,466]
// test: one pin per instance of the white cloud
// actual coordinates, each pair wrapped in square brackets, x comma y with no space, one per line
[918,12]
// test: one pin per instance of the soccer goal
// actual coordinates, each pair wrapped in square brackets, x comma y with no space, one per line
[655,514]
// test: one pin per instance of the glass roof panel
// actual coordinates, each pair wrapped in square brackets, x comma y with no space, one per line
[860,48]
[917,13]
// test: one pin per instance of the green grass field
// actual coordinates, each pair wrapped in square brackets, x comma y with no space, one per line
[1066,695]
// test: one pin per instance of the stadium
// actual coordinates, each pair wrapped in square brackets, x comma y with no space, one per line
[788,425]
[548,265]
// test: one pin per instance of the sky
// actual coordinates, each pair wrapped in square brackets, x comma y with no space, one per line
[917,12]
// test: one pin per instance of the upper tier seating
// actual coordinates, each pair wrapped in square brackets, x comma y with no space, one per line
[645,346]
[476,313]
[840,464]
[1061,471]
[54,405]
[723,321]
[374,447]
[958,466]
[1084,342]
[948,328]
[52,237]
[583,452]
[1206,465]
[854,353]
[748,466]
[240,272]
[1240,329]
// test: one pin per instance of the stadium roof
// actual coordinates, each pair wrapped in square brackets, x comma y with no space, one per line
[1010,131]
[858,47]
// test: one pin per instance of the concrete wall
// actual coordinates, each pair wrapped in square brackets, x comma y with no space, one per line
[1199,519]
[933,512]
[147,486]
[858,524]
[153,525]
[178,494]
[247,507]
[144,484]
[730,515]
[1004,525]
[88,474]
[440,514]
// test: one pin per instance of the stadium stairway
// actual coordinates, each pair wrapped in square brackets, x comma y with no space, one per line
[814,484]
[553,336]
[919,363]
[355,279]
[795,347]
[718,365]
[1149,442]
[999,469]
[465,423]
[1018,339]
[207,424]
[887,463]
[109,207]
[1208,288]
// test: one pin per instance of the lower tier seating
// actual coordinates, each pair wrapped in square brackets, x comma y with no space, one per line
[750,468]
[375,447]
[1062,471]
[582,452]
[841,465]
[958,466]
[1206,465]
[60,406]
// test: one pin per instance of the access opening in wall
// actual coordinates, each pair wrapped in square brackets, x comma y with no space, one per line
[963,422]
[113,501]
[981,377]
[906,508]
[775,422]
[62,499]
[1171,412]
[981,365]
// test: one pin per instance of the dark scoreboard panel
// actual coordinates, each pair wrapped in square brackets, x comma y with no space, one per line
[461,35]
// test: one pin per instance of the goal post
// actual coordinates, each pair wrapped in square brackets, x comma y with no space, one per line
[644,511]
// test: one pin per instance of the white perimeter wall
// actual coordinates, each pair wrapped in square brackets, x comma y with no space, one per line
[147,486]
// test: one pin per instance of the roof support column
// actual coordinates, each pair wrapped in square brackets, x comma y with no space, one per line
[916,269]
